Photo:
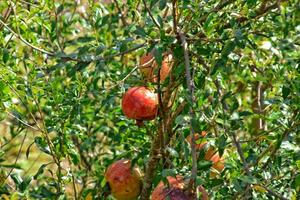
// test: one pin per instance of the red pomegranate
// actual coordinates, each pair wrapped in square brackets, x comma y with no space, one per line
[211,154]
[148,67]
[125,183]
[176,190]
[140,103]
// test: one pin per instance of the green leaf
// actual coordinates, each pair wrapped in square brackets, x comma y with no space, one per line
[5,55]
[297,181]
[41,144]
[153,2]
[140,31]
[60,9]
[158,54]
[40,171]
[204,165]
[168,172]
[28,150]
[248,179]
[17,179]
[285,91]
[196,125]
[228,48]
[74,156]
[25,183]
[162,4]
[172,152]
[221,143]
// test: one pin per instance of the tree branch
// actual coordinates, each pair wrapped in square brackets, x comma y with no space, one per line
[155,155]
[6,15]
[190,84]
[68,58]
[174,16]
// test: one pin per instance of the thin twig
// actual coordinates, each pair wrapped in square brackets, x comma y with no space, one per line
[58,32]
[292,126]
[50,144]
[241,154]
[68,58]
[103,58]
[73,179]
[18,155]
[23,122]
[123,19]
[25,41]
[6,15]
[235,139]
[272,193]
[123,80]
[152,17]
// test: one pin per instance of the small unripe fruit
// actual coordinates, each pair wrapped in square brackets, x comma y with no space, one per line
[125,183]
[140,103]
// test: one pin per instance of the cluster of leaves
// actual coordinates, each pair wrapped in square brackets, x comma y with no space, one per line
[65,64]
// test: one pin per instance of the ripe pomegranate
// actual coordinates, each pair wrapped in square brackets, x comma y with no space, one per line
[218,166]
[149,67]
[140,103]
[125,183]
[197,137]
[175,190]
[211,154]
[218,163]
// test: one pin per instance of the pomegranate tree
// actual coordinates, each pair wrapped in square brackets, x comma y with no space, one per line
[176,190]
[140,103]
[125,183]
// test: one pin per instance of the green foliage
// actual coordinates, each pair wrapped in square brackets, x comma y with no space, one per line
[64,66]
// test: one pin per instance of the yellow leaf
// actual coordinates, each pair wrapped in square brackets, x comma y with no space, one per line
[2,177]
[5,197]
[259,188]
[89,196]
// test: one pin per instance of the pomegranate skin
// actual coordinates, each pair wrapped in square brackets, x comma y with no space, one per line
[175,191]
[218,163]
[197,137]
[148,67]
[211,154]
[140,103]
[125,183]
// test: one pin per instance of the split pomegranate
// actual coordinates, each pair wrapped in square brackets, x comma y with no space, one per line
[140,103]
[175,190]
[148,67]
[125,183]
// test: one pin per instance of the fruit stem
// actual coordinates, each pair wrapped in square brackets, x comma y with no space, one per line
[139,123]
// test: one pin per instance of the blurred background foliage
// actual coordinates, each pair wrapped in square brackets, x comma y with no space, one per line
[64,66]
